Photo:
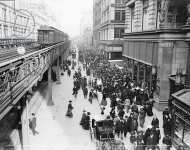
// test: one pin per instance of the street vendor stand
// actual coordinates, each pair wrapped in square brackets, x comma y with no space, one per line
[181,118]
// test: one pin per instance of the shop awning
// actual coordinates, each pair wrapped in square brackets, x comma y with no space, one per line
[183,96]
[114,49]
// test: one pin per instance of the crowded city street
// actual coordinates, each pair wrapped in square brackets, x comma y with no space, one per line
[95,75]
[66,132]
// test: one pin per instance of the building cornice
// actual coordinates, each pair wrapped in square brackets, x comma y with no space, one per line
[162,34]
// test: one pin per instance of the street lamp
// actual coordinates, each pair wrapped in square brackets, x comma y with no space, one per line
[21,50]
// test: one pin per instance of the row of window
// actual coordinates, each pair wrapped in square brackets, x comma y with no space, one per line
[8,31]
[119,1]
[9,15]
[144,18]
[118,32]
[110,34]
[119,15]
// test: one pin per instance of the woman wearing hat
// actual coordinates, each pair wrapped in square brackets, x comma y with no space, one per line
[86,124]
[69,110]
[83,117]
[142,115]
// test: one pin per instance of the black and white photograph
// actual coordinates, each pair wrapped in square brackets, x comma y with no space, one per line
[94,74]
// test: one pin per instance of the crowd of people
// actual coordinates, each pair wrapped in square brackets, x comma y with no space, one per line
[130,104]
[129,101]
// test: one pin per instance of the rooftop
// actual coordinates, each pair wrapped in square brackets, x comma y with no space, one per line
[183,96]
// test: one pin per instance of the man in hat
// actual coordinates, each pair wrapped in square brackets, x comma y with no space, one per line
[32,124]
[86,125]
[126,126]
[155,122]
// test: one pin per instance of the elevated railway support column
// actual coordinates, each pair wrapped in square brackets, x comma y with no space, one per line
[58,71]
[62,59]
[50,101]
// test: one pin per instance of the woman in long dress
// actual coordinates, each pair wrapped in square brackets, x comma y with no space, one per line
[69,110]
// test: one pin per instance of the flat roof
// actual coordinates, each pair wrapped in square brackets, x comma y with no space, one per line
[183,96]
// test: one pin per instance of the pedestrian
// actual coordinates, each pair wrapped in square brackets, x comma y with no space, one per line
[75,91]
[121,128]
[140,142]
[134,108]
[83,117]
[134,124]
[117,127]
[121,113]
[149,106]
[104,102]
[167,125]
[69,110]
[142,116]
[155,122]
[32,124]
[69,72]
[133,137]
[86,124]
[127,105]
[112,113]
[126,126]
[85,92]
[168,141]
[90,97]
[147,134]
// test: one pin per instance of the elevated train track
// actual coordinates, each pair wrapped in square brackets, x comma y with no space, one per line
[19,73]
[11,54]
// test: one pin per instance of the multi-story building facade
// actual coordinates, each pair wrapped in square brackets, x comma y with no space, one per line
[13,23]
[108,26]
[23,18]
[156,43]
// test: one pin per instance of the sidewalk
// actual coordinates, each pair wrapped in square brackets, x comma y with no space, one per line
[57,132]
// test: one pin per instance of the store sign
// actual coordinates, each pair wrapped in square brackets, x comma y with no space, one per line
[117,49]
[166,44]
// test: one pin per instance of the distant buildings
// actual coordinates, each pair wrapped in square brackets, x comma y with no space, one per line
[13,23]
[85,40]
[34,14]
[108,26]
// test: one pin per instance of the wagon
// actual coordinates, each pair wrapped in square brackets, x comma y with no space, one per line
[104,130]
[103,134]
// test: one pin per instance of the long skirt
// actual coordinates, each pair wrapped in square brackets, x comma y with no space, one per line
[69,113]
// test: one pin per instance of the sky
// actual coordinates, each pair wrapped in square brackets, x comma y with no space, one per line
[68,13]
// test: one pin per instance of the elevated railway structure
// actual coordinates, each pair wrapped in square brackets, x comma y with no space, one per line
[20,73]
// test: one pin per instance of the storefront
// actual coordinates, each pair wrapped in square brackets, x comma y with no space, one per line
[114,52]
[142,57]
[181,118]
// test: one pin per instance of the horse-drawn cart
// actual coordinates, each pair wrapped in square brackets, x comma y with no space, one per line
[104,136]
